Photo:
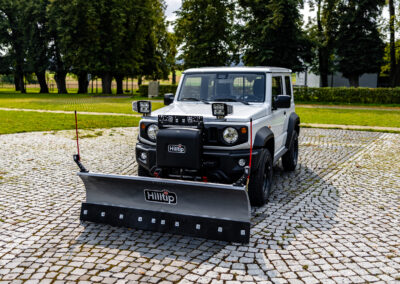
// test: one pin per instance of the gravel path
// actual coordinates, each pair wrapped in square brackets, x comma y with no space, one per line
[334,220]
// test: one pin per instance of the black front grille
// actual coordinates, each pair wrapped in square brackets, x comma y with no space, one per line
[212,135]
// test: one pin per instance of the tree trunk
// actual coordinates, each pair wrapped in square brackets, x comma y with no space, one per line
[83,83]
[173,77]
[120,86]
[397,77]
[392,13]
[16,83]
[60,81]
[139,82]
[106,81]
[323,55]
[41,76]
[354,80]
[20,79]
[21,83]
[323,67]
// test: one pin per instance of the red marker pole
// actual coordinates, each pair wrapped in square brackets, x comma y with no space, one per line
[77,137]
[251,143]
[251,152]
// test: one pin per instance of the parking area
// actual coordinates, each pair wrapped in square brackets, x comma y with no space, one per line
[334,220]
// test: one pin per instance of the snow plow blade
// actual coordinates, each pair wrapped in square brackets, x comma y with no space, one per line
[205,210]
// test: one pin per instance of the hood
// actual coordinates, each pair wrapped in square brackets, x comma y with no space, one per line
[241,112]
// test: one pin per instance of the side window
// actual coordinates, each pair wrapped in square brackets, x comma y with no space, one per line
[288,86]
[277,88]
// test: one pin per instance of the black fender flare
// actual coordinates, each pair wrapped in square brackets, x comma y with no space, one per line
[265,139]
[294,124]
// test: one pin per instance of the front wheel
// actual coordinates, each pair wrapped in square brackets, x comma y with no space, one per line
[261,180]
[289,160]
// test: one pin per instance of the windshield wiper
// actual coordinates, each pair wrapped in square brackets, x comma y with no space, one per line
[195,100]
[231,100]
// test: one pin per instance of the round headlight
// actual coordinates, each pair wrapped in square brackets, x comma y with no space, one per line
[152,131]
[230,135]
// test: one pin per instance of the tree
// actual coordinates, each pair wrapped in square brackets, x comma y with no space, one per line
[159,48]
[78,35]
[12,32]
[323,33]
[394,59]
[205,30]
[58,64]
[392,22]
[37,40]
[138,24]
[359,44]
[272,34]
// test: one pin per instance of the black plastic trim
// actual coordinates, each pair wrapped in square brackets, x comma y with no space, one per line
[262,137]
[294,120]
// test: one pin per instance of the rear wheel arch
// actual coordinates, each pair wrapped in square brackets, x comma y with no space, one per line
[293,125]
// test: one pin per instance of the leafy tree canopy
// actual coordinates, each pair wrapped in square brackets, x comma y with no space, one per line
[359,44]
[272,34]
[205,29]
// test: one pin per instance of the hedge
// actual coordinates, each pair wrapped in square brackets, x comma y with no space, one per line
[162,90]
[348,95]
[322,95]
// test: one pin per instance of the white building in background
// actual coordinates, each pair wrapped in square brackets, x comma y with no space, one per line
[308,79]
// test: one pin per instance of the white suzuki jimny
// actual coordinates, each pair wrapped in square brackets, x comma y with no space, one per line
[222,126]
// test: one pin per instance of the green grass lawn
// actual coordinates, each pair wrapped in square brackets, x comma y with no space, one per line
[350,117]
[14,121]
[19,121]
[70,102]
[348,105]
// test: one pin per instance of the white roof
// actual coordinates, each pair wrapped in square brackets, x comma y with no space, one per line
[258,69]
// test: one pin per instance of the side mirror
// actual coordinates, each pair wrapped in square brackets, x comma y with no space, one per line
[282,101]
[168,99]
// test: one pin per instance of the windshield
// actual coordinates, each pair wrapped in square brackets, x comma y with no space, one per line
[223,87]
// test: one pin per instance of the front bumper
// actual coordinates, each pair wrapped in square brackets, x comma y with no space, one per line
[217,166]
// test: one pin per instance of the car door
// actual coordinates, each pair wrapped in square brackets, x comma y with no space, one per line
[289,92]
[278,116]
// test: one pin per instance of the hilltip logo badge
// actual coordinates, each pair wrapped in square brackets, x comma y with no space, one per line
[160,196]
[177,149]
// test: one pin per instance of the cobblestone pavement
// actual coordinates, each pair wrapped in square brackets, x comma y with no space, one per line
[334,220]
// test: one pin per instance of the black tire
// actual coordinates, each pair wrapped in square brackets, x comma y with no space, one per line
[289,160]
[142,172]
[261,180]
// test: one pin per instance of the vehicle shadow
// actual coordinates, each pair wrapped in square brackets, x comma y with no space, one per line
[301,200]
